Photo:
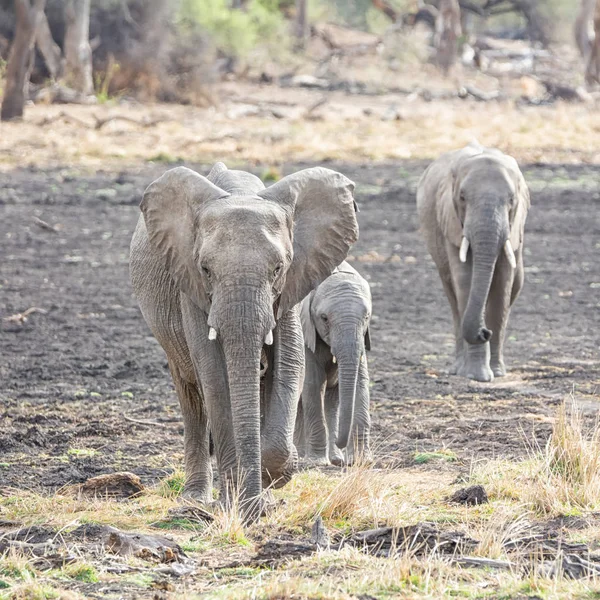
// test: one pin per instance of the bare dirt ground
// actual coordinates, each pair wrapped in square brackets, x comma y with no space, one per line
[85,373]
[85,390]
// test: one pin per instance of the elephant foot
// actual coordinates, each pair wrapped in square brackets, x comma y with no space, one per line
[202,494]
[278,466]
[457,366]
[315,460]
[481,374]
[336,457]
[498,368]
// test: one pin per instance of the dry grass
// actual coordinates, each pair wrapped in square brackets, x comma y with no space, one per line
[561,133]
[558,479]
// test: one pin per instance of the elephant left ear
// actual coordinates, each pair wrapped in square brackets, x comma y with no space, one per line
[322,207]
[522,199]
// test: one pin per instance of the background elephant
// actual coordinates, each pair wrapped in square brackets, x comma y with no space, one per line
[472,206]
[335,396]
[218,265]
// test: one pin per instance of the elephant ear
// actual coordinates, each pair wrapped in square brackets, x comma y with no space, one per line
[446,209]
[169,206]
[522,200]
[321,204]
[308,327]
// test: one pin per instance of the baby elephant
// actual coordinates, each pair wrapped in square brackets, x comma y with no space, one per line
[335,397]
[472,206]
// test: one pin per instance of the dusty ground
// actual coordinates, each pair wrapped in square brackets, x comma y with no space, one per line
[86,374]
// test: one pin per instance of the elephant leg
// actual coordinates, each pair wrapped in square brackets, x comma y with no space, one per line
[313,395]
[458,340]
[359,445]
[498,309]
[331,406]
[278,454]
[198,470]
[475,363]
[209,364]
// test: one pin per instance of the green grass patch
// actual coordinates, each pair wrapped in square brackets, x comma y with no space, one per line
[422,458]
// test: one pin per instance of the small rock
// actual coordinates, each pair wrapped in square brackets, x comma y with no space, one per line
[106,194]
[319,535]
[471,496]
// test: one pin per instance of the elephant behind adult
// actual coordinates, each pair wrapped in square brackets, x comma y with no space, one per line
[218,265]
[334,413]
[472,206]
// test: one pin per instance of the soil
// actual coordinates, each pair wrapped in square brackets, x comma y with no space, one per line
[85,390]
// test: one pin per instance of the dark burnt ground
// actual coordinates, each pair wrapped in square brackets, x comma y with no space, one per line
[84,388]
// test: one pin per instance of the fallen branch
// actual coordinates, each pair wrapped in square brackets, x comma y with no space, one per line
[44,225]
[141,422]
[143,123]
[22,317]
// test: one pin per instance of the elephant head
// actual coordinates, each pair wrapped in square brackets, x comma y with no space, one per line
[482,211]
[339,312]
[245,255]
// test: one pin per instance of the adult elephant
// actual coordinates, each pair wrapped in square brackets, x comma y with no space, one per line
[472,206]
[218,265]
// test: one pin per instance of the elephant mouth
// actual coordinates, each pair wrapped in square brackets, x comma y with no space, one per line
[264,363]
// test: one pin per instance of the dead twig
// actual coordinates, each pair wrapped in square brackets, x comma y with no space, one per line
[100,123]
[142,422]
[60,116]
[22,317]
[44,225]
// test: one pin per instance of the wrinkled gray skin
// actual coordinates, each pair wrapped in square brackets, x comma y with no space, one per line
[335,397]
[223,253]
[477,193]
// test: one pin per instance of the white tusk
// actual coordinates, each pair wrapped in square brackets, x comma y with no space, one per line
[269,338]
[464,248]
[334,360]
[212,334]
[510,255]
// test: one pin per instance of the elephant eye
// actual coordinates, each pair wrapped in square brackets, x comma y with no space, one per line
[277,270]
[324,318]
[462,197]
[206,271]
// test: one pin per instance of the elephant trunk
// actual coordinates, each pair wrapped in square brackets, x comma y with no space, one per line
[242,317]
[486,244]
[348,353]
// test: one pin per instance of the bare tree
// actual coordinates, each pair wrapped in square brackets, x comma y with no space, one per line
[301,23]
[448,31]
[592,72]
[20,58]
[78,54]
[583,26]
[48,48]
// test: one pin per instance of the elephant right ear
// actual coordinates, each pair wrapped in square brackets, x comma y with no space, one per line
[170,205]
[446,209]
[308,327]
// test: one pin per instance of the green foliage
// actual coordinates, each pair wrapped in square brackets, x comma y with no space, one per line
[424,457]
[172,486]
[81,572]
[234,32]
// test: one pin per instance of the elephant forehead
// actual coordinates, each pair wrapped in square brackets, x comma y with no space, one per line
[487,173]
[346,286]
[245,214]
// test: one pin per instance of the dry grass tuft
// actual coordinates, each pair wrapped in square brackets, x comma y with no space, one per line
[568,476]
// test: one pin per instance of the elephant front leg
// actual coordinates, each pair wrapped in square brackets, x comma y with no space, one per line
[331,405]
[278,453]
[313,397]
[498,309]
[198,470]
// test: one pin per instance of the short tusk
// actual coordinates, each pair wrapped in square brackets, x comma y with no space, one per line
[212,334]
[334,360]
[269,338]
[464,248]
[510,255]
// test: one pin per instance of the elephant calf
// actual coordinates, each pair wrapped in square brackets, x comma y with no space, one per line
[335,397]
[472,206]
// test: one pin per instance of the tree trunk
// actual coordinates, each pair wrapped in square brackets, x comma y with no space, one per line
[583,25]
[301,23]
[49,48]
[19,58]
[592,72]
[78,54]
[448,31]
